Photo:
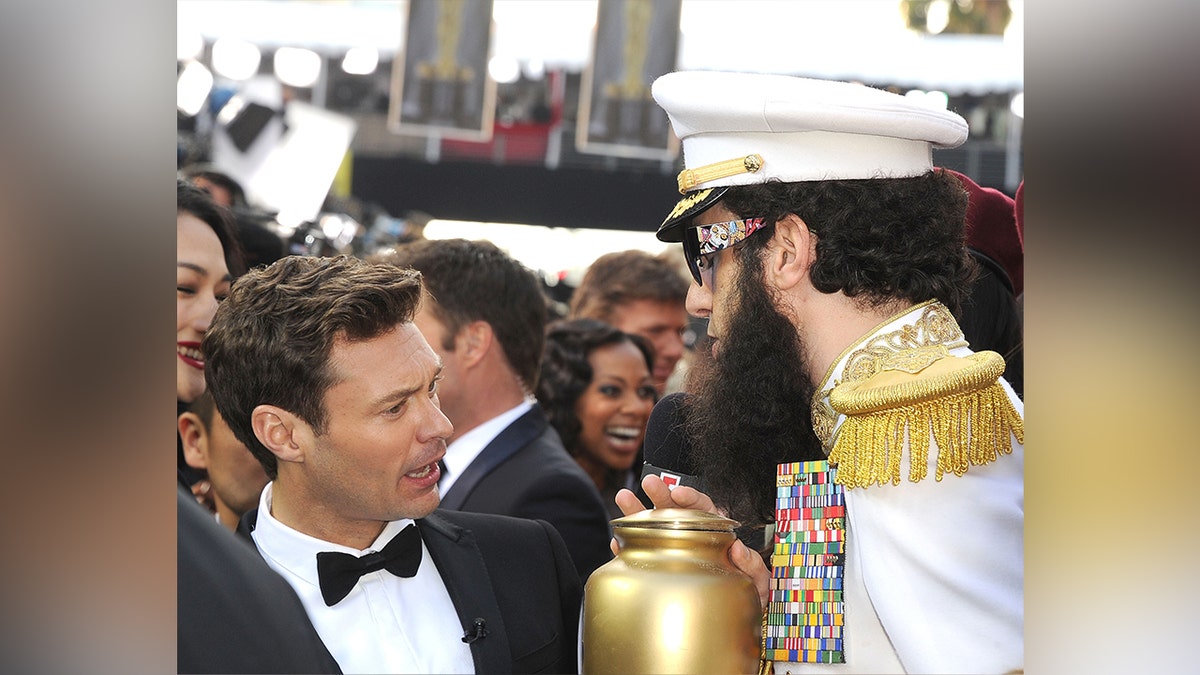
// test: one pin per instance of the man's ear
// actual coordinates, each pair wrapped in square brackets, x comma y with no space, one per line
[473,342]
[195,440]
[792,252]
[280,431]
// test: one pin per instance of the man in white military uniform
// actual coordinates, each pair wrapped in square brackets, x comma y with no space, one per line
[842,406]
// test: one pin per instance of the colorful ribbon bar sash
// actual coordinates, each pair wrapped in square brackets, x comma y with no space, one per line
[806,612]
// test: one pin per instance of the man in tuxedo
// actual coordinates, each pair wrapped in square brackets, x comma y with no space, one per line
[317,367]
[485,315]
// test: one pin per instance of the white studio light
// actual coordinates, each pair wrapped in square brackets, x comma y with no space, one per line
[192,88]
[296,66]
[554,249]
[230,110]
[288,222]
[937,100]
[937,17]
[534,69]
[235,59]
[338,229]
[1017,106]
[361,60]
[504,69]
[332,226]
[189,44]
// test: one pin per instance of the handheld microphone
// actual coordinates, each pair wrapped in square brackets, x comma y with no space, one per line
[669,456]
[668,453]
[476,632]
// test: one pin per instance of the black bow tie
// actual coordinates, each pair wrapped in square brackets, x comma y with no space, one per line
[338,572]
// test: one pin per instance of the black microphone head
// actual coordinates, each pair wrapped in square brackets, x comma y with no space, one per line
[666,446]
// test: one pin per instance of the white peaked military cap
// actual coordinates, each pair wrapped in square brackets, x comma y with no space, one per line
[750,128]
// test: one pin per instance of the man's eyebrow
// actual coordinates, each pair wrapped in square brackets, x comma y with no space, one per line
[398,394]
[395,395]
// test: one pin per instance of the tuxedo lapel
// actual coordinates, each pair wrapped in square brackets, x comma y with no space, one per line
[246,523]
[517,435]
[461,566]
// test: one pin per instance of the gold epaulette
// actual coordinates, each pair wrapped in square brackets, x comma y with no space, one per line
[922,393]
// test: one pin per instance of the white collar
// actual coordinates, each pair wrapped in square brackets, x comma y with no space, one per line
[467,447]
[297,552]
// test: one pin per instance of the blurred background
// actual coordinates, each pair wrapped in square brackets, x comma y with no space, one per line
[356,125]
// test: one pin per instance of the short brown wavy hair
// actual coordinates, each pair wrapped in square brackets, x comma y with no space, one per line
[616,279]
[270,340]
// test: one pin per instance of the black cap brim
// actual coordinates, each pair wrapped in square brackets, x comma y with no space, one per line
[692,204]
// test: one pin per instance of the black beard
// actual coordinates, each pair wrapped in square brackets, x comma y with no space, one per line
[749,405]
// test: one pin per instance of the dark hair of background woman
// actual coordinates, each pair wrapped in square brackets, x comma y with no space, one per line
[193,200]
[566,372]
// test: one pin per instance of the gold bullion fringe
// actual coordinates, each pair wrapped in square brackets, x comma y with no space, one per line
[970,428]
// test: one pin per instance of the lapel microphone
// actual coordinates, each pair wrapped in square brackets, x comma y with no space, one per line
[476,632]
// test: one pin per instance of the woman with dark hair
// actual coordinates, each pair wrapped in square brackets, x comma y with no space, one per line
[596,389]
[207,258]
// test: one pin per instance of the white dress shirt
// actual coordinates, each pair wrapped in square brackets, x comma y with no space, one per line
[467,447]
[387,624]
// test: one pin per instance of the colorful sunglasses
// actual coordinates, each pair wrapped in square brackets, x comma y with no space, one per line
[706,239]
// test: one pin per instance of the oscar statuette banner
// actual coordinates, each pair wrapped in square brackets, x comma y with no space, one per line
[635,42]
[440,83]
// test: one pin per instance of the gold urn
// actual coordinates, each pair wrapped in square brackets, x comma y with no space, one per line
[671,602]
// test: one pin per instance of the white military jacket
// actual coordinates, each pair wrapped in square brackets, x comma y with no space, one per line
[928,443]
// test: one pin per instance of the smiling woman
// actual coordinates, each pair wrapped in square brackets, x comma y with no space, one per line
[207,257]
[596,389]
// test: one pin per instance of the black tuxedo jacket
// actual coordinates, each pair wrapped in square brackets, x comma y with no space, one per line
[526,472]
[512,573]
[236,615]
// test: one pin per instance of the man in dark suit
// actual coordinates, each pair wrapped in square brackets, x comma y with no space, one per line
[316,366]
[235,614]
[485,315]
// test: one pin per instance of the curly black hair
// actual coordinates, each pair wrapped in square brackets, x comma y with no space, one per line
[877,240]
[566,372]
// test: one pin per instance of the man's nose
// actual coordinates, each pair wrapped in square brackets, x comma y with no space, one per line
[699,301]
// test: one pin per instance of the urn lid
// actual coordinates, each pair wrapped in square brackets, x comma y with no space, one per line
[677,519]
